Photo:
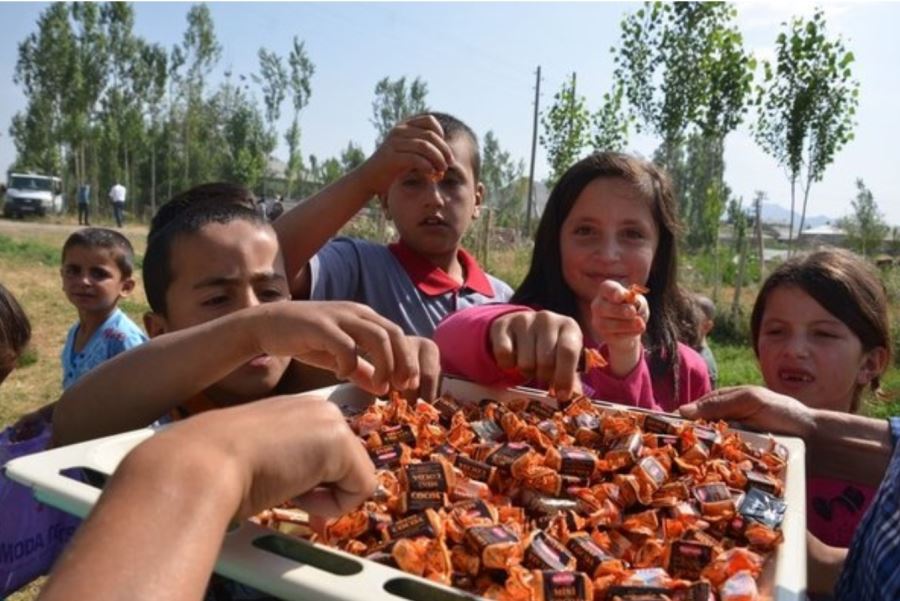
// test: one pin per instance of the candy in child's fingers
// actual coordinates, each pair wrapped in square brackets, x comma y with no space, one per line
[631,294]
[437,176]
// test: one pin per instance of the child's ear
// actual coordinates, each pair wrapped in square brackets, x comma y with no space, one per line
[479,198]
[127,287]
[382,200]
[155,324]
[873,364]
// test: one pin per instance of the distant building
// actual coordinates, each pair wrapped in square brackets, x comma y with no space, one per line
[822,235]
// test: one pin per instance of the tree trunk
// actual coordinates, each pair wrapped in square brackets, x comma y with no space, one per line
[736,303]
[805,199]
[759,241]
[153,179]
[790,248]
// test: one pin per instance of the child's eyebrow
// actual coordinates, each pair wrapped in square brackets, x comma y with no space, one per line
[219,281]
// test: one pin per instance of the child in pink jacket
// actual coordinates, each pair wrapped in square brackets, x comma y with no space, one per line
[610,224]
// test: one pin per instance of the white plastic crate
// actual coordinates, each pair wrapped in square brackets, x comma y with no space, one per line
[294,569]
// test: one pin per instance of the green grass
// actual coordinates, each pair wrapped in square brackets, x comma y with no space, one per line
[28,251]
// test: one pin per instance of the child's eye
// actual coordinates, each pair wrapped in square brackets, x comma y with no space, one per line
[583,230]
[824,334]
[271,295]
[215,301]
[99,274]
[634,234]
[773,331]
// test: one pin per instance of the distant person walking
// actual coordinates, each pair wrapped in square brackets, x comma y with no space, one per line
[117,196]
[84,204]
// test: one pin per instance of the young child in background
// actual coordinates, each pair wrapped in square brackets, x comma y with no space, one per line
[821,335]
[426,174]
[15,332]
[610,223]
[707,316]
[222,333]
[97,266]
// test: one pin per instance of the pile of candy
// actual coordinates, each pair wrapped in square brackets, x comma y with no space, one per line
[518,501]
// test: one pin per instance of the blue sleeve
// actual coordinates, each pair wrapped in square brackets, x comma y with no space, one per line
[335,270]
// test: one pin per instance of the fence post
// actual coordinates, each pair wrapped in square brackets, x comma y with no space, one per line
[486,238]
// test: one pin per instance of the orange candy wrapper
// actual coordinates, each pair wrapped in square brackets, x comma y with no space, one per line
[525,502]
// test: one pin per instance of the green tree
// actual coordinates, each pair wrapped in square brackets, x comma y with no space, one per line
[687,78]
[806,104]
[566,129]
[302,70]
[610,123]
[677,64]
[866,228]
[273,81]
[500,175]
[45,61]
[352,157]
[395,101]
[199,52]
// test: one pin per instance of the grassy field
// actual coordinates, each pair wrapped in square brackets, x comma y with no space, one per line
[29,266]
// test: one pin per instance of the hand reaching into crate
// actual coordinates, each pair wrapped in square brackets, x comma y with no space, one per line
[162,517]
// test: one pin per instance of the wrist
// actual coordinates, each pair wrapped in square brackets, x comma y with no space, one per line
[624,357]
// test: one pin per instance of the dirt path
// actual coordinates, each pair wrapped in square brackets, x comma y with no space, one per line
[25,227]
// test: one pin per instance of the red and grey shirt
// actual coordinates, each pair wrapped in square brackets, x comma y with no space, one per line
[400,284]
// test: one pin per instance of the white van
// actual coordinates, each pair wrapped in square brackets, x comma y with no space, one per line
[32,193]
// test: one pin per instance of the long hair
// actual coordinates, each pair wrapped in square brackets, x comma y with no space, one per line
[545,286]
[846,286]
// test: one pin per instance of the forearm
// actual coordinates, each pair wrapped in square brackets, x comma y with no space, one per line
[848,446]
[304,229]
[136,388]
[156,530]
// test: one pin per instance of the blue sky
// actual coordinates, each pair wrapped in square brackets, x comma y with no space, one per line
[479,60]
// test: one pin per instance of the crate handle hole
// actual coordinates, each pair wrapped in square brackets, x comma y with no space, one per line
[85,475]
[419,591]
[309,554]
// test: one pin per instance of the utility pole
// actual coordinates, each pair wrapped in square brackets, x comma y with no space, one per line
[537,95]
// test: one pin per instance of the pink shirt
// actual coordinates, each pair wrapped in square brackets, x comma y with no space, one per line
[464,341]
[835,507]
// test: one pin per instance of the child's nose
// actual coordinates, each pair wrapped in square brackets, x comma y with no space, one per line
[797,346]
[606,249]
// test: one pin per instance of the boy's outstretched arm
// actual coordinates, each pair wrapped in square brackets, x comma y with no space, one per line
[222,464]
[136,388]
[414,144]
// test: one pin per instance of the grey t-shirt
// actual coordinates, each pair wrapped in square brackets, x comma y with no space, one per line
[411,293]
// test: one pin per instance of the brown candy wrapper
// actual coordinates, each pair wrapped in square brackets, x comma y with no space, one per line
[561,586]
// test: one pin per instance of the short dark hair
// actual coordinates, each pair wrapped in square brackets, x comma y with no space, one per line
[705,304]
[454,127]
[101,237]
[15,331]
[209,193]
[545,286]
[190,220]
[847,286]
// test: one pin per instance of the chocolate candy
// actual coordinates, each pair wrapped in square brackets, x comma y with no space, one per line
[476,470]
[546,553]
[588,554]
[487,430]
[386,456]
[447,408]
[492,544]
[413,526]
[561,586]
[505,455]
[764,508]
[396,434]
[687,559]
